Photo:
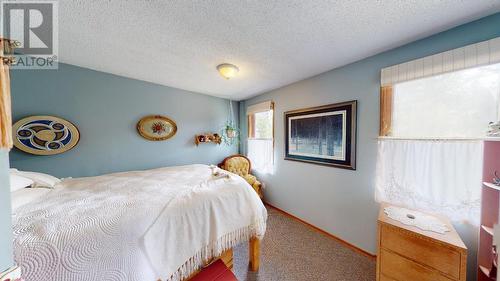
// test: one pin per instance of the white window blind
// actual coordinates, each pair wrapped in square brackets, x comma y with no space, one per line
[260,107]
[482,53]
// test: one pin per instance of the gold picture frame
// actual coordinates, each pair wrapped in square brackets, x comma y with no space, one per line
[156,127]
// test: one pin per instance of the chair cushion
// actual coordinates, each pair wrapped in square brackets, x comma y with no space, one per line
[251,179]
[237,165]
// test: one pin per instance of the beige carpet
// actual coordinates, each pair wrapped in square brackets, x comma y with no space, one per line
[293,251]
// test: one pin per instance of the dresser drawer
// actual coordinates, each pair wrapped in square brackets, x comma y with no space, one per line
[396,267]
[421,250]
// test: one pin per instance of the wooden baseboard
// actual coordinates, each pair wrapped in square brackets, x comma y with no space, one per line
[317,229]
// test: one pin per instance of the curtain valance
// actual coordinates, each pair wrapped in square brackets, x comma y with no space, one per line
[482,53]
[259,107]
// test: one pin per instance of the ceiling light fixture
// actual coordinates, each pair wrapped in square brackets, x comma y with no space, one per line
[228,70]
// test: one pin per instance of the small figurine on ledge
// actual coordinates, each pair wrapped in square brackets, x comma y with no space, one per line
[215,138]
[494,129]
[493,270]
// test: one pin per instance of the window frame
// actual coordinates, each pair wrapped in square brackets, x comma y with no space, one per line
[387,97]
[469,56]
[251,126]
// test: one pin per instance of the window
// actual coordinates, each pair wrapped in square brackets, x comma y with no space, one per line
[260,136]
[431,127]
[452,105]
[262,125]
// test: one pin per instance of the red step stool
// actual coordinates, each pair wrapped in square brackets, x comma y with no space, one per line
[217,271]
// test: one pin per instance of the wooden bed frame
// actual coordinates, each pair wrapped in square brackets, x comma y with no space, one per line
[227,257]
[254,254]
[253,250]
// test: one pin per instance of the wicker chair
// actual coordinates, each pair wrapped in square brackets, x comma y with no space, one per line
[241,165]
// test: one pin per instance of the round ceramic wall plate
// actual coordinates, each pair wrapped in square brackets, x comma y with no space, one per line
[45,135]
[156,127]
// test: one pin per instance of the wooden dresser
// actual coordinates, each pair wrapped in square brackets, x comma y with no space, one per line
[407,253]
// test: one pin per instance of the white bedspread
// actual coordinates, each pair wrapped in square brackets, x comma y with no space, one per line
[142,225]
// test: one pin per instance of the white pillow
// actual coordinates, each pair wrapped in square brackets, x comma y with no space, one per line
[19,182]
[39,179]
[26,195]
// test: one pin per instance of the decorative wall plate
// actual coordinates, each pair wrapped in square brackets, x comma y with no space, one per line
[156,127]
[45,135]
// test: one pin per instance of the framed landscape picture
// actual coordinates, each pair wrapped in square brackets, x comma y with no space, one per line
[323,135]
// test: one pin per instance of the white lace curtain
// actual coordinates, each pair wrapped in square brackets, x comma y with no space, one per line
[260,136]
[442,176]
[260,152]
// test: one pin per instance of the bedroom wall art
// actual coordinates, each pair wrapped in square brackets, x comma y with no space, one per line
[156,127]
[45,135]
[322,135]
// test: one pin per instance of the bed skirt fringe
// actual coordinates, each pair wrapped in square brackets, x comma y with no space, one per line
[217,247]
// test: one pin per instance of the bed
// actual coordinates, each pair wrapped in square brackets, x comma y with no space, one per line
[161,224]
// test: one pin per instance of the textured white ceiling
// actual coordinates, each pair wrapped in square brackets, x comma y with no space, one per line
[274,42]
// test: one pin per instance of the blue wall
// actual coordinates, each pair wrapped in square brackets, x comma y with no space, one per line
[5,219]
[342,201]
[106,108]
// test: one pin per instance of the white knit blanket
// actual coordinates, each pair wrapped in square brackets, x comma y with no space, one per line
[142,225]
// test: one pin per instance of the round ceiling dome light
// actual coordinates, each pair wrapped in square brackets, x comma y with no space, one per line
[228,70]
